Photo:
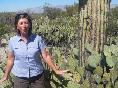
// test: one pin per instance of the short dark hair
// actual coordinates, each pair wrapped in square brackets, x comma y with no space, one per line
[23,15]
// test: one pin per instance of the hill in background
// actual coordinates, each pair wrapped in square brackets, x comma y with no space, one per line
[41,9]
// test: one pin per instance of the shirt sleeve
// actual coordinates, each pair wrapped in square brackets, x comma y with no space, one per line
[42,45]
[10,48]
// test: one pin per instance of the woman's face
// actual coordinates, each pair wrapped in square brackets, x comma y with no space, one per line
[23,26]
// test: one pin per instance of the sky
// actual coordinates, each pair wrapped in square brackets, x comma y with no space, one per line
[114,1]
[15,5]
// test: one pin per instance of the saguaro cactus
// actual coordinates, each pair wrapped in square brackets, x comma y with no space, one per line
[93,21]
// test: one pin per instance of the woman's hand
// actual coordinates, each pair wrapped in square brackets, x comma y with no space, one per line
[8,67]
[3,79]
[48,59]
[61,72]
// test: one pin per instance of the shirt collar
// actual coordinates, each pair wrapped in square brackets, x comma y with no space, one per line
[20,39]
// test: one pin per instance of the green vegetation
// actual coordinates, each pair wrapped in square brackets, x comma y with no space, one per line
[89,50]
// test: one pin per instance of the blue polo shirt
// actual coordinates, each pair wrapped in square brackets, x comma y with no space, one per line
[27,62]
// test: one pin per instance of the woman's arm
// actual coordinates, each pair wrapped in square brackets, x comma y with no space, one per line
[9,65]
[48,59]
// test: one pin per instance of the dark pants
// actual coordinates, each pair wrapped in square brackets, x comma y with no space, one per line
[33,82]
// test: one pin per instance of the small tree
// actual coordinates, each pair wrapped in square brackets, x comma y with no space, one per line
[51,12]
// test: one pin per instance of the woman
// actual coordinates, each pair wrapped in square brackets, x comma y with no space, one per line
[23,56]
